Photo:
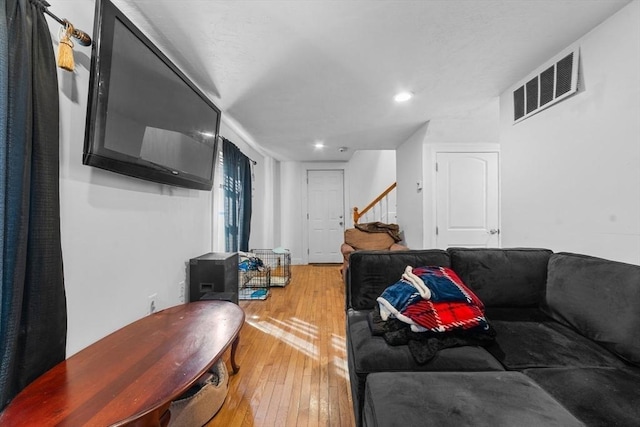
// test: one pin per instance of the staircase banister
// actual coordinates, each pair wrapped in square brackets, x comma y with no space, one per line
[358,214]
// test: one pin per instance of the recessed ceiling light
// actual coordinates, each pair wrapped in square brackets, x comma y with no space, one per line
[319,145]
[403,96]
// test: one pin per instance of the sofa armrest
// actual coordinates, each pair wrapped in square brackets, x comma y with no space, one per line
[346,251]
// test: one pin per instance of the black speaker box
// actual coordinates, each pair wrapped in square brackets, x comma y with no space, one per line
[214,275]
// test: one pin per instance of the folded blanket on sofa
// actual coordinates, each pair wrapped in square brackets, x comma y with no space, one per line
[445,316]
[437,283]
[430,308]
[396,298]
[431,298]
[424,345]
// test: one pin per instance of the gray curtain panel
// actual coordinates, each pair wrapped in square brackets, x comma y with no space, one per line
[33,315]
[237,197]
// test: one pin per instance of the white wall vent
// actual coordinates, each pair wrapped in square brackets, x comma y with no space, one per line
[556,82]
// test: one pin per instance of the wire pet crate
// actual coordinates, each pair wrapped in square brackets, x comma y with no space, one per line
[278,261]
[253,278]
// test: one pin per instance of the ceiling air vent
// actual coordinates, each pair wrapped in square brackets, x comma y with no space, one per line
[556,82]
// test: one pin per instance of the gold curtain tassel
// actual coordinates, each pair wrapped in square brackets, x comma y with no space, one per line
[65,49]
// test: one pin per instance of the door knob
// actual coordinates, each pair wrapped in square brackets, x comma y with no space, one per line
[494,231]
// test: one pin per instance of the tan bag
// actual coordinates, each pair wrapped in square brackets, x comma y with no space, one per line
[200,403]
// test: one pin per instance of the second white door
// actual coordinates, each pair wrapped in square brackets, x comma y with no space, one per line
[467,199]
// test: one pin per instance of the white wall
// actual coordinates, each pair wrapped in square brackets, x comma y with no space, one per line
[123,239]
[292,181]
[476,125]
[571,173]
[410,200]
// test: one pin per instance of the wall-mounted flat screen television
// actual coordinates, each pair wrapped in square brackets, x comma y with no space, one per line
[145,118]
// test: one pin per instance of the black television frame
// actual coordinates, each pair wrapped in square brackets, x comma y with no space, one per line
[106,15]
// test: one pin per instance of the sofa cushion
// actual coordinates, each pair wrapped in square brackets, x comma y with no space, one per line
[373,354]
[599,298]
[460,399]
[370,272]
[367,353]
[528,338]
[503,277]
[599,396]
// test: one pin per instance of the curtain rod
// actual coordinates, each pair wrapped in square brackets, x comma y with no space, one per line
[83,38]
[250,159]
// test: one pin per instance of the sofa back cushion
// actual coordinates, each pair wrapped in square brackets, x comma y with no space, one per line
[503,277]
[599,298]
[371,272]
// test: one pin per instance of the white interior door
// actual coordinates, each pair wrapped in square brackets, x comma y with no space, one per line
[325,190]
[467,200]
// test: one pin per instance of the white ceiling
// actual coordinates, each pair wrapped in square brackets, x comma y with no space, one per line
[291,73]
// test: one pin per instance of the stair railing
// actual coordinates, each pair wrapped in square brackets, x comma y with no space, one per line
[377,202]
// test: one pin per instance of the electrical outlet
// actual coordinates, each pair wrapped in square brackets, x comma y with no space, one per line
[181,287]
[152,303]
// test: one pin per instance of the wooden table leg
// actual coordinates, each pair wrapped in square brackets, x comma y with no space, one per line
[234,347]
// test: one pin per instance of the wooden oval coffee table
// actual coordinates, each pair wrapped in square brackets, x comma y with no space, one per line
[131,376]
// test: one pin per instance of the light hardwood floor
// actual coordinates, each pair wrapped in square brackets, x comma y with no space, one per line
[292,357]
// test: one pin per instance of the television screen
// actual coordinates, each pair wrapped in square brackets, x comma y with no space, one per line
[145,118]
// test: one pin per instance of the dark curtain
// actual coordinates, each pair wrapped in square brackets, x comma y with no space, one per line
[237,197]
[33,314]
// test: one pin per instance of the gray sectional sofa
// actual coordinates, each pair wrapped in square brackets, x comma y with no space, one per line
[566,349]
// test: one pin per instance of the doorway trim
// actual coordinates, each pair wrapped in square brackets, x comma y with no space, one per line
[430,219]
[306,167]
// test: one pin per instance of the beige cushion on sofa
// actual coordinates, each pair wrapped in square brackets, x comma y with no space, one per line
[361,240]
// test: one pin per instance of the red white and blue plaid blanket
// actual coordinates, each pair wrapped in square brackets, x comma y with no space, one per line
[432,299]
[429,309]
[445,316]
